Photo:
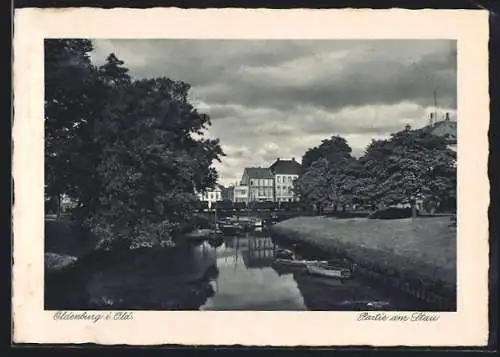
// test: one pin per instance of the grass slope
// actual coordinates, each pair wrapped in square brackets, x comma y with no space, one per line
[421,249]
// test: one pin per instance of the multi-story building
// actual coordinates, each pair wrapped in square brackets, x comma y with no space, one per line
[260,183]
[211,195]
[228,194]
[240,193]
[285,172]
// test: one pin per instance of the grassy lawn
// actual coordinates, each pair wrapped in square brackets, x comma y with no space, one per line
[420,248]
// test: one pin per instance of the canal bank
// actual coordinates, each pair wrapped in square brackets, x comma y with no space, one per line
[413,256]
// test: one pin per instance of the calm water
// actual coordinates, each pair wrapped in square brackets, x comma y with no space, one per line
[235,273]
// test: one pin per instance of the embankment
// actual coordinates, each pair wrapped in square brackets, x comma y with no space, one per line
[416,256]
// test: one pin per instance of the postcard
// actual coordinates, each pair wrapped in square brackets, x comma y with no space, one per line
[251,177]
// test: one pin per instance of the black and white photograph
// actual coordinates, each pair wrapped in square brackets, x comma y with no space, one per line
[250,174]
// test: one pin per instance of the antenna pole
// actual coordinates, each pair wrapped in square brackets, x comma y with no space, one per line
[435,107]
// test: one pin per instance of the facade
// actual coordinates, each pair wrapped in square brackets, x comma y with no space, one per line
[260,183]
[446,129]
[228,194]
[285,172]
[240,193]
[212,195]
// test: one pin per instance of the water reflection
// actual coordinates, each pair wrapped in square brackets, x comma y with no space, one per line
[227,273]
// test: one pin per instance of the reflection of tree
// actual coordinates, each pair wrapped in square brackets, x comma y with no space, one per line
[216,242]
[322,293]
[176,279]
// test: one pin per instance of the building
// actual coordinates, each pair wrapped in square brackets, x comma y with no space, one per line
[260,183]
[285,173]
[446,129]
[240,193]
[228,194]
[212,195]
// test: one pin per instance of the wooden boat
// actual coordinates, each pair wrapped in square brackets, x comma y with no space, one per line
[297,262]
[231,229]
[328,270]
[199,234]
[287,257]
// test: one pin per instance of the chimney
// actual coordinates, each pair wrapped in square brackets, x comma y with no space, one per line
[447,117]
[293,159]
[278,159]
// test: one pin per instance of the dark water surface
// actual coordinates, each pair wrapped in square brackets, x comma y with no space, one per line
[234,273]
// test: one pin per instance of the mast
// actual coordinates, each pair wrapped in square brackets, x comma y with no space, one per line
[435,107]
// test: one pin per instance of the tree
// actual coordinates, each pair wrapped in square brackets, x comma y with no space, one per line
[411,164]
[151,165]
[333,149]
[124,149]
[313,185]
[70,97]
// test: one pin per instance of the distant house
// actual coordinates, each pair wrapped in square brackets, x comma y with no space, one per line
[285,172]
[211,195]
[228,193]
[446,129]
[260,183]
[240,193]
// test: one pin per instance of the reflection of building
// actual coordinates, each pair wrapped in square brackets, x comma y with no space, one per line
[260,182]
[259,253]
[212,195]
[285,173]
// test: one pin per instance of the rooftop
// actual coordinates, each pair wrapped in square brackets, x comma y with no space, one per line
[286,167]
[259,172]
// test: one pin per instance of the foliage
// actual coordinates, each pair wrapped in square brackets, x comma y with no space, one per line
[411,164]
[71,99]
[333,177]
[332,149]
[125,149]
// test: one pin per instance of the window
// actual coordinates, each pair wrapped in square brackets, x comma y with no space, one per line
[278,178]
[251,182]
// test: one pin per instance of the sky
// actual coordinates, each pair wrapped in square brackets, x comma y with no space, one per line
[270,99]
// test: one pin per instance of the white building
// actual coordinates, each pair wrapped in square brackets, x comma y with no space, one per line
[285,173]
[240,193]
[211,195]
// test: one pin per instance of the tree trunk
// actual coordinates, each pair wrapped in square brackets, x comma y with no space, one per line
[414,210]
[58,212]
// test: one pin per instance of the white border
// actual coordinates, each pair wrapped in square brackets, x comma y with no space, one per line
[468,326]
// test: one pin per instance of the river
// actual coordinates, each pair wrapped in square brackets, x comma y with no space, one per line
[236,273]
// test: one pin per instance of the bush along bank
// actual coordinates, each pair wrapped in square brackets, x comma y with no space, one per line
[413,256]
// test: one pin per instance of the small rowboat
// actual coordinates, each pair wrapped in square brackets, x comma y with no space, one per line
[329,271]
[297,263]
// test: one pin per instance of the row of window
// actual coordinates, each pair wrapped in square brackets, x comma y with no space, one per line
[285,179]
[284,188]
[261,182]
[212,196]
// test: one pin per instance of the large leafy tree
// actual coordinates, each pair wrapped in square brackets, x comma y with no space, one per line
[151,164]
[332,149]
[330,174]
[411,164]
[131,152]
[71,100]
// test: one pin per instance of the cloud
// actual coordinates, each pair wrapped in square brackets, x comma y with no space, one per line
[270,98]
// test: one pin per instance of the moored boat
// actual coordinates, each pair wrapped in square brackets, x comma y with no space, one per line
[231,229]
[297,262]
[327,270]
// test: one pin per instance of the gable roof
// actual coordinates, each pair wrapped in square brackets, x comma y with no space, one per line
[286,167]
[259,173]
